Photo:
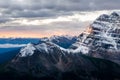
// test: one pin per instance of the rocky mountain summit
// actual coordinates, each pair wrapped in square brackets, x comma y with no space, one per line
[102,38]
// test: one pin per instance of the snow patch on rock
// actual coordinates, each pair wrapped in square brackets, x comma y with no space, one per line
[27,51]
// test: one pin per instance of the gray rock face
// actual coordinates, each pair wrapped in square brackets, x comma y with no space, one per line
[103,37]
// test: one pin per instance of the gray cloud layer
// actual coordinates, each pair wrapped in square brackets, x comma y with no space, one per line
[13,10]
[48,8]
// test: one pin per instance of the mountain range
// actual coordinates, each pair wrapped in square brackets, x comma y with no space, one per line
[93,55]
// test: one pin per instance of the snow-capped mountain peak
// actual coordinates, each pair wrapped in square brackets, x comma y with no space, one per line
[42,47]
[102,34]
[49,47]
[27,51]
[45,47]
[103,38]
[117,14]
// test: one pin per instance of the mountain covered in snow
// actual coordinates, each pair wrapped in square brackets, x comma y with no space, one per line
[48,61]
[90,56]
[10,46]
[102,38]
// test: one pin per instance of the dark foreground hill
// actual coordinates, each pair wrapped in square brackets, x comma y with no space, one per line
[56,64]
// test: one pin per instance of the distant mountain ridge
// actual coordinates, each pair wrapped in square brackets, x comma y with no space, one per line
[18,40]
[9,45]
[64,41]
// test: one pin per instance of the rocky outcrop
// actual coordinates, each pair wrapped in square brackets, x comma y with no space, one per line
[102,38]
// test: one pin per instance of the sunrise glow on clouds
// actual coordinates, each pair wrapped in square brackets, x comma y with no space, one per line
[62,25]
[43,18]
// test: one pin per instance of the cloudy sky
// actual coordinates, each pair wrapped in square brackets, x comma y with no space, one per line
[40,18]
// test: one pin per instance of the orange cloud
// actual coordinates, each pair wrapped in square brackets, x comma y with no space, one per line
[32,34]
